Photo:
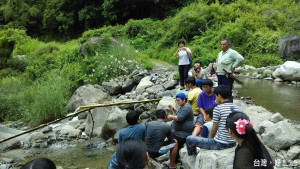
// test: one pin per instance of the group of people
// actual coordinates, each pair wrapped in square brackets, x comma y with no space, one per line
[219,124]
[227,60]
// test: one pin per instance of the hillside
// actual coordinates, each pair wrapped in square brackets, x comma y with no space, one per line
[38,78]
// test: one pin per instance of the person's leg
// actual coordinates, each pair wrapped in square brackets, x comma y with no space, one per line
[186,71]
[181,74]
[229,82]
[197,130]
[112,164]
[180,142]
[222,80]
[173,155]
[194,141]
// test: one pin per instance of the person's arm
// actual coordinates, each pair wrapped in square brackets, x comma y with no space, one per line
[238,60]
[202,111]
[188,51]
[176,53]
[172,108]
[213,130]
[172,117]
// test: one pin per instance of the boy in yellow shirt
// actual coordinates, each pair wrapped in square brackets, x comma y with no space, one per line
[193,95]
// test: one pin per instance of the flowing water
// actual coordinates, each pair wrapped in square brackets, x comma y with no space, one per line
[274,96]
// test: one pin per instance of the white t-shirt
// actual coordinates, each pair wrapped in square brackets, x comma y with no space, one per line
[184,57]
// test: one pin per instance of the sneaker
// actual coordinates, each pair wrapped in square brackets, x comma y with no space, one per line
[166,148]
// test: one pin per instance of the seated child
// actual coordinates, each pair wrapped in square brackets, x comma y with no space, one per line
[193,95]
[205,132]
[156,132]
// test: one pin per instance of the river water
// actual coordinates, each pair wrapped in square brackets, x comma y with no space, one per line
[274,96]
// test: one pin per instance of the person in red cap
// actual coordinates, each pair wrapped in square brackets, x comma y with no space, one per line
[183,120]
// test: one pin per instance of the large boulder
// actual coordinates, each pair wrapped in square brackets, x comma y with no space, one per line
[87,95]
[257,115]
[170,84]
[144,83]
[290,71]
[216,159]
[97,120]
[115,121]
[155,89]
[112,87]
[280,136]
[289,46]
[165,102]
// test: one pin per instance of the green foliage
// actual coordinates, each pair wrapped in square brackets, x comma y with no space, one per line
[45,100]
[260,60]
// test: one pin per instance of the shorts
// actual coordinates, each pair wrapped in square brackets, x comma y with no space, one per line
[166,147]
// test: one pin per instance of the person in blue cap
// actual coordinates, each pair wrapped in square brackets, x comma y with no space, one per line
[183,120]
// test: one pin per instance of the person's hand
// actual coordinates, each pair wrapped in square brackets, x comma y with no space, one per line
[171,107]
[169,117]
[232,70]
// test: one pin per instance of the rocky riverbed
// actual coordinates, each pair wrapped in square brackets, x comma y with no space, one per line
[79,138]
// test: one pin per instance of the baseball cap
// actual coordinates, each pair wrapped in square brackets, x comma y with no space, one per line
[180,95]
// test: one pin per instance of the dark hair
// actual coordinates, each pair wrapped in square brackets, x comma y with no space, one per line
[185,99]
[212,68]
[209,111]
[250,138]
[38,163]
[160,114]
[207,82]
[131,154]
[180,41]
[191,80]
[227,41]
[132,117]
[222,90]
[198,61]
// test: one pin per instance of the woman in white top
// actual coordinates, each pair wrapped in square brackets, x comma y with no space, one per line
[184,54]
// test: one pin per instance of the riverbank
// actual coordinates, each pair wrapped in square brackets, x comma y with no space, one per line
[68,143]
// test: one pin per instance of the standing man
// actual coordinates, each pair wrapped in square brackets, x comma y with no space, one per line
[228,59]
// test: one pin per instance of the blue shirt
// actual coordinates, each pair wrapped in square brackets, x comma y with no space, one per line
[135,131]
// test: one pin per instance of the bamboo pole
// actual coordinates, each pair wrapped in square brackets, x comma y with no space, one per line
[80,109]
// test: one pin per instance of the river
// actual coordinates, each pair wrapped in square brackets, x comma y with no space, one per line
[274,96]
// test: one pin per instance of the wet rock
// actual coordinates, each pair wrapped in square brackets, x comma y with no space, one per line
[155,89]
[290,71]
[278,138]
[278,80]
[82,127]
[75,133]
[277,117]
[87,95]
[112,87]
